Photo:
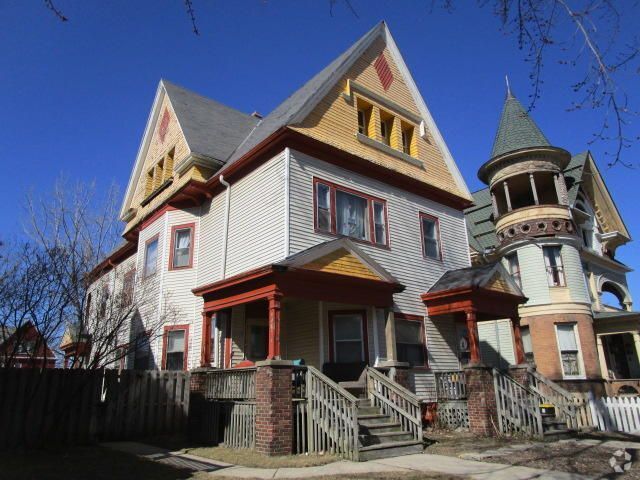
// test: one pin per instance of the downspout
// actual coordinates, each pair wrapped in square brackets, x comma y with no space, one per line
[226,225]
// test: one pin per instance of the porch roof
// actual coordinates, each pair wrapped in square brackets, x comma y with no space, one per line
[616,315]
[486,289]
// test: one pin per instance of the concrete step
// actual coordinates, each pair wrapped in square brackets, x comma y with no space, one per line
[377,428]
[373,419]
[558,434]
[379,438]
[390,449]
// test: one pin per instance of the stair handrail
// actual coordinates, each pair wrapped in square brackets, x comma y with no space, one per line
[508,401]
[563,400]
[395,400]
[333,418]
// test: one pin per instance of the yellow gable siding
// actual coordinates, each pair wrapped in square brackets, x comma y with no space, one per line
[343,263]
[499,284]
[158,148]
[334,121]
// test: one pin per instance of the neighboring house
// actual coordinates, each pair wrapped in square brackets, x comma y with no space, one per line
[551,220]
[311,233]
[24,347]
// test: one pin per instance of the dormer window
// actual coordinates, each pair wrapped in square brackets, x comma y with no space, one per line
[407,138]
[386,126]
[160,174]
[364,117]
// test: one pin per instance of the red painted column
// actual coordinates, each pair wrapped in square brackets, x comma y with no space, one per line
[517,338]
[274,327]
[474,345]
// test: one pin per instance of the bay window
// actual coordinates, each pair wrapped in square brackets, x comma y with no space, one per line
[348,213]
[151,257]
[181,246]
[430,236]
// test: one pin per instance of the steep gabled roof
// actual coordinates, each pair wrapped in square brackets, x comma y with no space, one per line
[209,127]
[482,232]
[516,130]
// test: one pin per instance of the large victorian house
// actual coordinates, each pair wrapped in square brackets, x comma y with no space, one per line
[549,217]
[320,232]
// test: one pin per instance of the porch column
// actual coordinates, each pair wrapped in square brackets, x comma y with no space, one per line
[517,339]
[205,353]
[506,196]
[474,346]
[390,335]
[533,189]
[274,327]
[494,205]
[601,356]
[636,342]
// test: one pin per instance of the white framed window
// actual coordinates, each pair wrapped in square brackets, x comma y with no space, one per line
[151,257]
[554,267]
[175,347]
[410,342]
[569,349]
[525,333]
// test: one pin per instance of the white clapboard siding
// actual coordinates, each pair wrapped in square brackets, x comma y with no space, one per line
[237,335]
[300,331]
[496,343]
[442,345]
[211,242]
[404,259]
[534,275]
[256,220]
[574,274]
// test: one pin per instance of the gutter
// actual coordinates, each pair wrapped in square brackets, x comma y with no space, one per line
[226,224]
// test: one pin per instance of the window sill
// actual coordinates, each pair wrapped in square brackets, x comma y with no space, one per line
[356,240]
[388,150]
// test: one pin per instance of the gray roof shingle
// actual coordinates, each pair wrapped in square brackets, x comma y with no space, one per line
[210,128]
[516,129]
[474,277]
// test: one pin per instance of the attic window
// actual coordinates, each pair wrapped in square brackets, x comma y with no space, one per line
[407,131]
[159,176]
[364,118]
[386,128]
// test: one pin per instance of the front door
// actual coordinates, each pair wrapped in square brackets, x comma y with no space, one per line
[349,351]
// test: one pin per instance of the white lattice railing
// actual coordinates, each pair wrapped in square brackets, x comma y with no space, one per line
[395,401]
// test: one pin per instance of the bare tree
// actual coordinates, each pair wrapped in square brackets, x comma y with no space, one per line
[60,281]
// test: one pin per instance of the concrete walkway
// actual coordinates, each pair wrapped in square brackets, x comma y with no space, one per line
[426,463]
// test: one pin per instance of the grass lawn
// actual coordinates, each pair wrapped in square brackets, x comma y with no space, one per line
[250,458]
[95,463]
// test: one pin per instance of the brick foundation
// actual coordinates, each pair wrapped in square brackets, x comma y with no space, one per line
[481,402]
[274,412]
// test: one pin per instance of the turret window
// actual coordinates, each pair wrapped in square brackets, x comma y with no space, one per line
[554,267]
[569,351]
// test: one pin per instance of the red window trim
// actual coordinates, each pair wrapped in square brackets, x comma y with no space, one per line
[423,336]
[437,222]
[192,230]
[156,237]
[332,212]
[167,329]
[365,333]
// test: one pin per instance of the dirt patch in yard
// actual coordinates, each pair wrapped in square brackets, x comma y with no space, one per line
[453,444]
[251,458]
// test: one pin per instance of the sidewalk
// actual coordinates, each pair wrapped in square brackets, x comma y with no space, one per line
[406,464]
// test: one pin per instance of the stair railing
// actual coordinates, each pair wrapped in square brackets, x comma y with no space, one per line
[332,417]
[518,408]
[552,393]
[396,401]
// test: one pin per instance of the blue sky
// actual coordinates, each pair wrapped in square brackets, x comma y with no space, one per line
[75,96]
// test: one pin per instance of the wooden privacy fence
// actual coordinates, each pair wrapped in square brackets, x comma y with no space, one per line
[84,406]
[518,408]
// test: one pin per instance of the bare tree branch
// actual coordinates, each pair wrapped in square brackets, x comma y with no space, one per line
[49,4]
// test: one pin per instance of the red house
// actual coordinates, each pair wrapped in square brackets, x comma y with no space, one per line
[24,347]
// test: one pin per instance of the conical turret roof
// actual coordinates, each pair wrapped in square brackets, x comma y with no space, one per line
[516,129]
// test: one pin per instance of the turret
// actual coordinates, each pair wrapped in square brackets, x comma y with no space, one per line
[524,174]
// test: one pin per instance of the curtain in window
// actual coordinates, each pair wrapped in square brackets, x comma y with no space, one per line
[567,337]
[182,248]
[351,215]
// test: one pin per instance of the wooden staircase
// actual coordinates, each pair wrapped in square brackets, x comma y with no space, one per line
[379,435]
[555,428]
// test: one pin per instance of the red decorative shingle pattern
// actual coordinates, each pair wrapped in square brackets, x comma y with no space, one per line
[384,71]
[164,125]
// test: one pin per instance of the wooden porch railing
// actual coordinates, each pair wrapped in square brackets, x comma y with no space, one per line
[332,415]
[550,392]
[396,401]
[451,385]
[231,384]
[518,408]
